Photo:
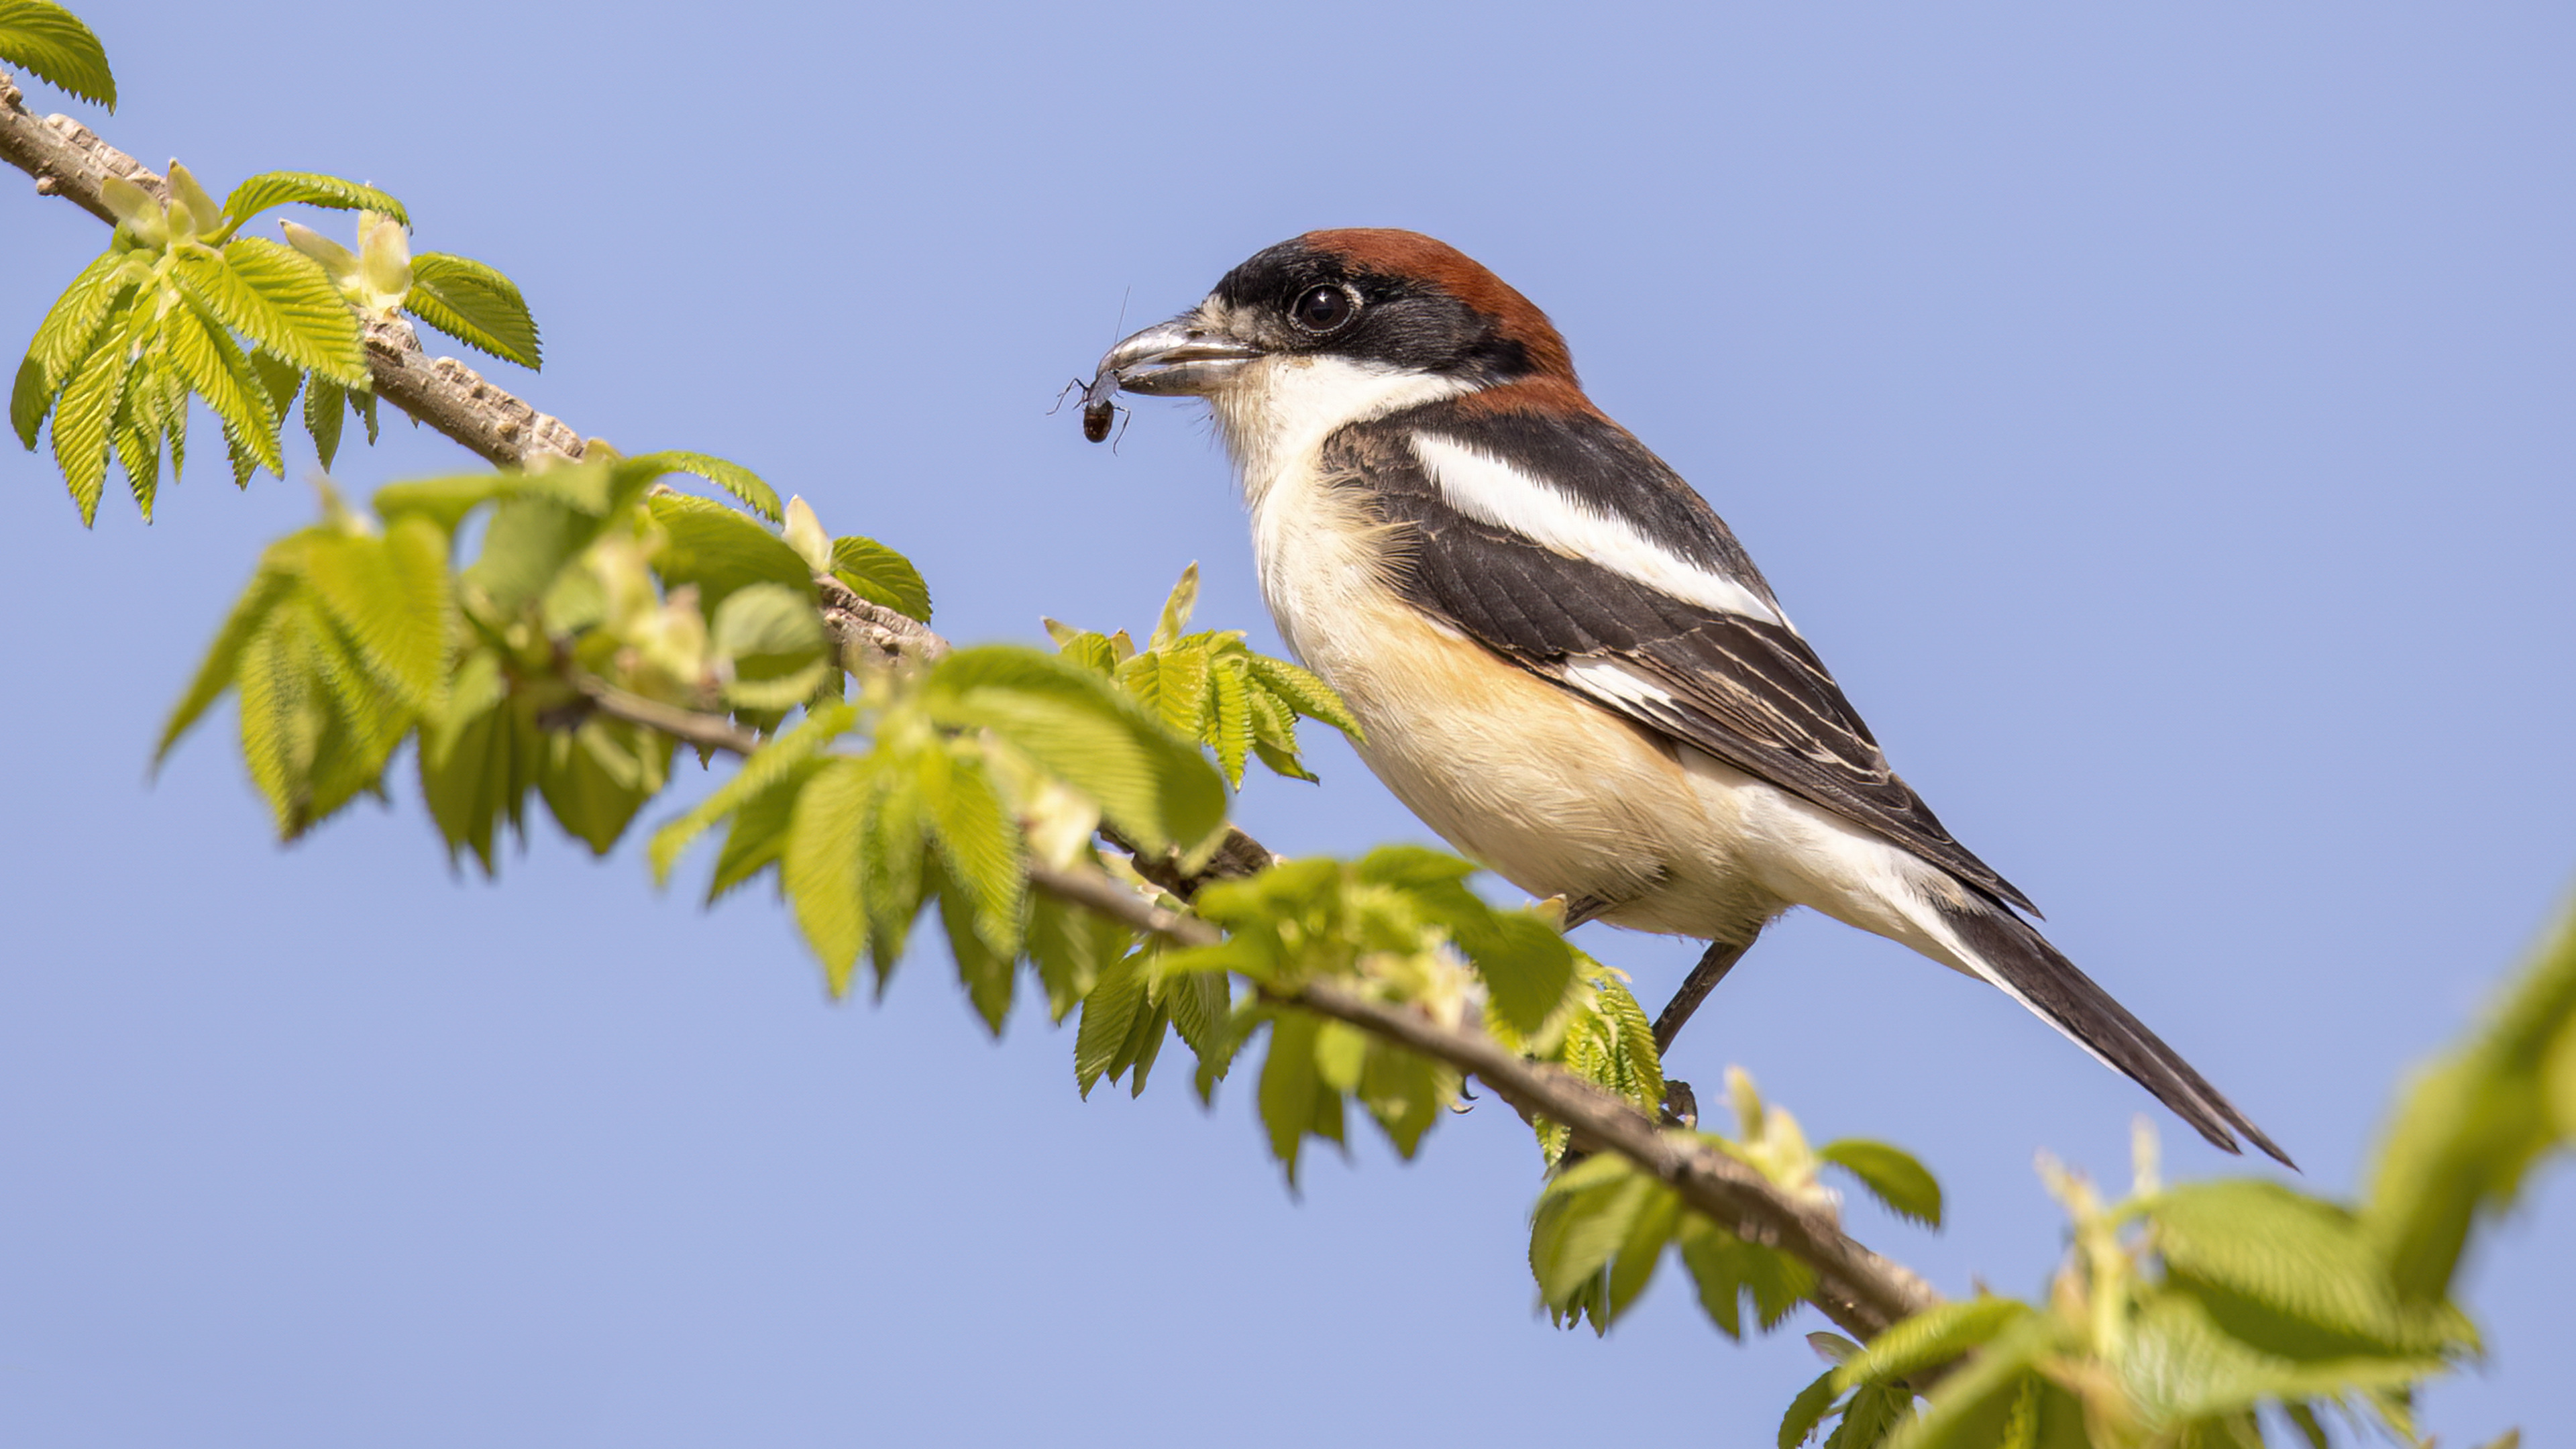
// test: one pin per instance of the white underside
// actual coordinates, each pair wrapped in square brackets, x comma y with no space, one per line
[1555,793]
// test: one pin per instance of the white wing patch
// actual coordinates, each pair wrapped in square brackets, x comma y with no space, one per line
[1488,489]
[1613,682]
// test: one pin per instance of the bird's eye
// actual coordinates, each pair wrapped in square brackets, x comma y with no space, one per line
[1323,309]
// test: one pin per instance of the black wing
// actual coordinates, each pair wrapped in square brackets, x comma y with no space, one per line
[1748,691]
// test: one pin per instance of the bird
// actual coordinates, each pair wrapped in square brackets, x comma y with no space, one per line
[1560,657]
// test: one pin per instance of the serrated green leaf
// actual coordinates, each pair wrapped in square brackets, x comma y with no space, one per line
[392,597]
[70,332]
[880,575]
[474,304]
[778,766]
[280,380]
[280,299]
[1071,947]
[1808,1410]
[1154,788]
[1305,693]
[1972,1406]
[733,478]
[1870,1416]
[757,834]
[897,867]
[989,976]
[1929,1339]
[820,869]
[1725,1268]
[304,188]
[1230,719]
[81,423]
[1582,1218]
[139,450]
[979,842]
[50,43]
[718,550]
[1892,1175]
[1108,1015]
[215,370]
[325,411]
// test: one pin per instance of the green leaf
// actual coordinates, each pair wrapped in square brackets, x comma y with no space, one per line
[1974,1406]
[216,672]
[1230,728]
[325,410]
[775,768]
[1929,1339]
[474,304]
[880,575]
[216,371]
[2179,1366]
[2470,1130]
[1583,1217]
[773,640]
[988,975]
[526,547]
[1177,609]
[1071,947]
[820,869]
[1725,1268]
[1871,1416]
[478,759]
[1808,1410]
[279,298]
[979,843]
[1892,1175]
[597,776]
[392,596]
[1293,1099]
[304,188]
[757,835]
[443,501]
[1154,788]
[2294,1276]
[1305,693]
[718,550]
[71,331]
[81,423]
[1109,1013]
[50,43]
[733,478]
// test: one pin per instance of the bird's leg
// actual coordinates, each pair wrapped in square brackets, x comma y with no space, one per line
[1703,978]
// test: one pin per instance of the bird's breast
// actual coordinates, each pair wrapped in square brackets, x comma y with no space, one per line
[1556,794]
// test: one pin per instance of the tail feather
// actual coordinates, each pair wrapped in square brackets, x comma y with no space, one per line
[2013,955]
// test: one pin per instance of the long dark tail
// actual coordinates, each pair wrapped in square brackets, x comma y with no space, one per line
[2020,960]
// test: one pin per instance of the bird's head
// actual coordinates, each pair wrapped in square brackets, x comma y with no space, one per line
[1336,327]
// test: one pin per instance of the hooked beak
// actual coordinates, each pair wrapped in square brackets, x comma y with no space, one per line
[1184,357]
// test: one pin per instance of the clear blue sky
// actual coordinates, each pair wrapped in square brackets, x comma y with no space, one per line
[2161,421]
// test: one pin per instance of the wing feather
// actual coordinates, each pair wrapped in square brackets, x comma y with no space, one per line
[1746,690]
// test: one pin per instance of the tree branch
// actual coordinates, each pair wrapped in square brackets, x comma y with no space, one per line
[69,160]
[1859,1290]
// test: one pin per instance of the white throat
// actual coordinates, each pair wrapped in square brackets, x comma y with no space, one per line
[1276,412]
